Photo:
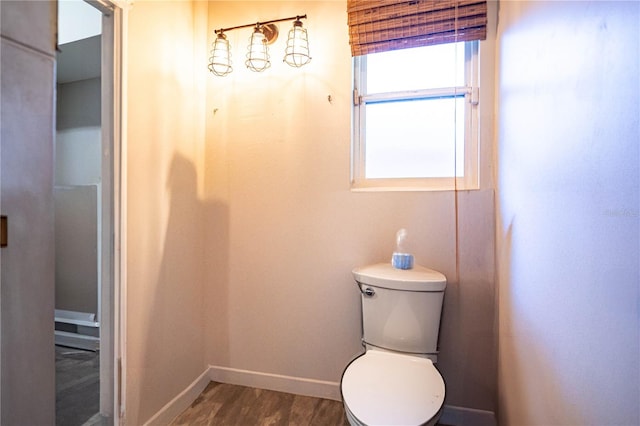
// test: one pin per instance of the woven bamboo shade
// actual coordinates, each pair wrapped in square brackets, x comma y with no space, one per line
[382,25]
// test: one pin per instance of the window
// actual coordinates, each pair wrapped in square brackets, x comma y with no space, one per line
[415,118]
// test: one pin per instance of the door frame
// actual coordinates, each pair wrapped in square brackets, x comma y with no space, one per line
[113,125]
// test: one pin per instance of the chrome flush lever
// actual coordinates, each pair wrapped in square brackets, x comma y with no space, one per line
[367,291]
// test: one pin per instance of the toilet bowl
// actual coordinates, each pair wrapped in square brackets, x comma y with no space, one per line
[386,388]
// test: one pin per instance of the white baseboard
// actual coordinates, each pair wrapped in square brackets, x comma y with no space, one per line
[181,402]
[461,416]
[276,382]
[76,340]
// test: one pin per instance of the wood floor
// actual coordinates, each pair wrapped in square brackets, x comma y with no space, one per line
[223,404]
[77,386]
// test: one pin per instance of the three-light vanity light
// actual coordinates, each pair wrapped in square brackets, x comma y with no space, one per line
[296,53]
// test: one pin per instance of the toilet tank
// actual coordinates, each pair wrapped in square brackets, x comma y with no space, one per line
[401,308]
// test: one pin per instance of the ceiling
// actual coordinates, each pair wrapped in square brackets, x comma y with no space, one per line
[79,28]
[77,19]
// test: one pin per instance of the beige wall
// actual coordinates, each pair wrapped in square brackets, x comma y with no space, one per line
[242,228]
[165,243]
[284,230]
[568,234]
[78,172]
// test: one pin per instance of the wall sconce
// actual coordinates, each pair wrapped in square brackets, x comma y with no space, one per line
[220,60]
[258,60]
[258,54]
[297,51]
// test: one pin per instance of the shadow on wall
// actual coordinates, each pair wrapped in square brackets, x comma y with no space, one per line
[467,342]
[216,279]
[506,354]
[172,352]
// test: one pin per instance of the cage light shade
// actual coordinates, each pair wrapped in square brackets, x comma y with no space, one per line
[258,55]
[220,60]
[297,52]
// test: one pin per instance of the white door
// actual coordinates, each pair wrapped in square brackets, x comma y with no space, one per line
[27,64]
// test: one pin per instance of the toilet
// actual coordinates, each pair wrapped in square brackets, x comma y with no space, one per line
[395,381]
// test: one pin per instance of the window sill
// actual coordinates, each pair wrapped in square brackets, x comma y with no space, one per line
[411,185]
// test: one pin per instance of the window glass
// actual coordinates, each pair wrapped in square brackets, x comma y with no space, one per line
[418,68]
[415,139]
[415,118]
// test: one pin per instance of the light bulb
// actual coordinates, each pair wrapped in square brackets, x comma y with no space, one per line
[258,55]
[297,51]
[220,60]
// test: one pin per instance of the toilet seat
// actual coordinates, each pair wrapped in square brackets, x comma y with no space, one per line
[386,388]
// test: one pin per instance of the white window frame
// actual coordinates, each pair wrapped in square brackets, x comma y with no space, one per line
[470,179]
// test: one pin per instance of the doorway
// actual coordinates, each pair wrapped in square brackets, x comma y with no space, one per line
[86,197]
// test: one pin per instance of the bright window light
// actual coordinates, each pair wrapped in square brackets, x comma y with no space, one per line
[415,118]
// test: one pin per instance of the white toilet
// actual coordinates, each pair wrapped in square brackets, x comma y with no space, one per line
[395,382]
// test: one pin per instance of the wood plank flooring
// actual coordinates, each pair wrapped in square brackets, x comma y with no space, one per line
[232,405]
[77,386]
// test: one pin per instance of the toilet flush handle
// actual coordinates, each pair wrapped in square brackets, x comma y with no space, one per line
[367,291]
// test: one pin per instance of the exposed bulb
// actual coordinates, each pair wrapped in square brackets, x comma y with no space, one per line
[220,60]
[297,51]
[258,55]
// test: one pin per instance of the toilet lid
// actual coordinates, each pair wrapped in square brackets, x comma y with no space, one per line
[382,388]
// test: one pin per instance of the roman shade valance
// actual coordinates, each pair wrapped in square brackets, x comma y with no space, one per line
[382,25]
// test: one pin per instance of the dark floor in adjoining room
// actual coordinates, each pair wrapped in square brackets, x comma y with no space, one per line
[77,386]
